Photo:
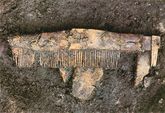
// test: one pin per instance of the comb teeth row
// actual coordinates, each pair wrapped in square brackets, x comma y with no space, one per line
[65,58]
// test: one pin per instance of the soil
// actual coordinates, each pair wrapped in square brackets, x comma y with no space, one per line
[41,90]
[137,16]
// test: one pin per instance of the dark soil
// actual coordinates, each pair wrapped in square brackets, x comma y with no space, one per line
[130,16]
[41,90]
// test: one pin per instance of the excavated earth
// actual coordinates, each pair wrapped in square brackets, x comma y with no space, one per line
[41,90]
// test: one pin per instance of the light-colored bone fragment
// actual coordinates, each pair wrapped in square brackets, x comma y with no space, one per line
[85,82]
[154,50]
[143,66]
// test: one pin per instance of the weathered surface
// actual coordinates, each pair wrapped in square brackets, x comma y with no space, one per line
[85,81]
[138,16]
[143,67]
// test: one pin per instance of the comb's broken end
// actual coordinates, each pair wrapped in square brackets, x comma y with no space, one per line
[154,50]
[147,60]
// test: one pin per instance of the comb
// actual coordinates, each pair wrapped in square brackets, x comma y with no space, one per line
[85,48]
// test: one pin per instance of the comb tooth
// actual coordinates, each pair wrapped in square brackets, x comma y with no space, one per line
[78,58]
[106,59]
[118,58]
[91,53]
[113,59]
[19,59]
[99,58]
[62,65]
[81,59]
[60,59]
[86,62]
[89,58]
[78,55]
[40,57]
[63,61]
[112,55]
[52,60]
[84,58]
[74,58]
[66,59]
[17,56]
[80,63]
[41,61]
[70,53]
[59,62]
[49,61]
[110,59]
[95,58]
[103,58]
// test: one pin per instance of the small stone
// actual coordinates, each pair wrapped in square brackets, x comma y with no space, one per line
[85,82]
[161,101]
[147,81]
